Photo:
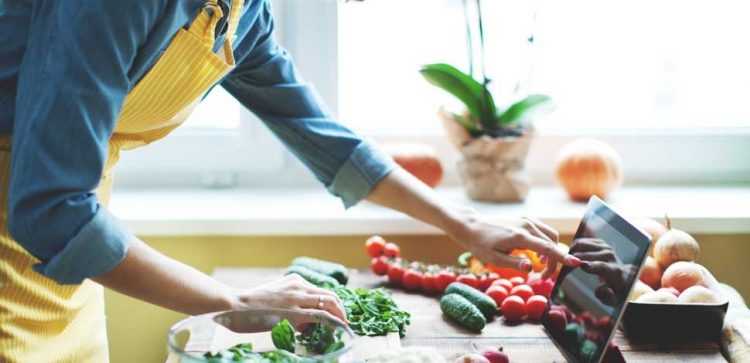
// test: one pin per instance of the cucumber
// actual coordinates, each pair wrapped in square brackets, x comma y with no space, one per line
[463,312]
[315,278]
[335,270]
[486,305]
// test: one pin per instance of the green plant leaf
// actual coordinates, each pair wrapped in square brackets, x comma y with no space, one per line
[518,110]
[475,97]
[283,336]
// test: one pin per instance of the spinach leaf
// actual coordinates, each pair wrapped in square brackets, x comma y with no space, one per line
[283,336]
[373,312]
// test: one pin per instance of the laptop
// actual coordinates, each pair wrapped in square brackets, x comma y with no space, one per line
[588,301]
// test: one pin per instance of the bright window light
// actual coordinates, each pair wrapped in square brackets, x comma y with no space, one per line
[607,64]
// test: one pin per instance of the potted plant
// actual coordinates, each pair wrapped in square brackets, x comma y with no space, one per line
[493,139]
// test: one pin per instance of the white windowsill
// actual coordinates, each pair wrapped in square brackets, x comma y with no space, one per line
[301,211]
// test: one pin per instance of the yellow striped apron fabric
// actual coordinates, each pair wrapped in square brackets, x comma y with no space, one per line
[41,321]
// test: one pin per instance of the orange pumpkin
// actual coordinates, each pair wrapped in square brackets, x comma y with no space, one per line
[588,167]
[419,160]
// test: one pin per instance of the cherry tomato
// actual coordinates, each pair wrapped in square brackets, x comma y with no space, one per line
[504,283]
[557,319]
[514,309]
[604,323]
[392,250]
[428,283]
[588,318]
[485,280]
[412,280]
[541,287]
[497,293]
[535,307]
[395,274]
[443,279]
[375,246]
[380,265]
[469,279]
[522,291]
[517,280]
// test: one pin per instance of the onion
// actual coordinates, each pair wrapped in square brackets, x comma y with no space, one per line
[698,294]
[675,245]
[651,273]
[682,275]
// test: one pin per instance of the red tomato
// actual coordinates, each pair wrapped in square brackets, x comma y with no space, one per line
[522,291]
[443,279]
[469,279]
[392,250]
[487,279]
[375,246]
[395,274]
[604,323]
[504,283]
[535,307]
[517,280]
[428,283]
[380,265]
[412,279]
[588,318]
[514,309]
[541,287]
[557,319]
[497,293]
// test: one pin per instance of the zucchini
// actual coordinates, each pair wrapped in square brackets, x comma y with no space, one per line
[486,305]
[335,270]
[315,278]
[463,312]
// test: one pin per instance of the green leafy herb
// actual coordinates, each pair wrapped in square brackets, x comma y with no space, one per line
[373,312]
[320,339]
[283,336]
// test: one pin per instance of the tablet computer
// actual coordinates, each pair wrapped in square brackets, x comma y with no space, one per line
[587,301]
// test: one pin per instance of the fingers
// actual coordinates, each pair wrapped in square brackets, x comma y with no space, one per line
[502,259]
[548,231]
[323,303]
[605,295]
[604,255]
[526,240]
[588,245]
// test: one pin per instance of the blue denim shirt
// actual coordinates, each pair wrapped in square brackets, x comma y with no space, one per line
[65,69]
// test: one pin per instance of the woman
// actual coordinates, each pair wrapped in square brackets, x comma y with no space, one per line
[82,80]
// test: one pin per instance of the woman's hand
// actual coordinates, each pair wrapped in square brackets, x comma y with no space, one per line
[493,242]
[294,293]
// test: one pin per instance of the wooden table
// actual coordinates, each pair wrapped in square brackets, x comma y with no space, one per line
[524,343]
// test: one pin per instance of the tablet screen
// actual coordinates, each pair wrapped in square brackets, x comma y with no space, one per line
[587,301]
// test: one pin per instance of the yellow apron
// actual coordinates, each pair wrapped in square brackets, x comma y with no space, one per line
[41,321]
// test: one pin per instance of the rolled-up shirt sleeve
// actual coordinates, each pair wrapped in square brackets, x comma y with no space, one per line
[267,82]
[72,83]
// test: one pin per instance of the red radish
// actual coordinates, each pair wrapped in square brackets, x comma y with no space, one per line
[522,291]
[380,265]
[392,250]
[494,355]
[412,280]
[443,279]
[517,280]
[428,283]
[497,293]
[558,320]
[375,246]
[535,307]
[504,283]
[469,279]
[395,274]
[514,309]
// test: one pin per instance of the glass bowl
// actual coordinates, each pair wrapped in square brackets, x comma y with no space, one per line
[189,339]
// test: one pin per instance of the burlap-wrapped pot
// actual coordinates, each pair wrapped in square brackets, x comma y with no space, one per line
[492,169]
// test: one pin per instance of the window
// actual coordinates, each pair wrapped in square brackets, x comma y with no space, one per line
[662,82]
